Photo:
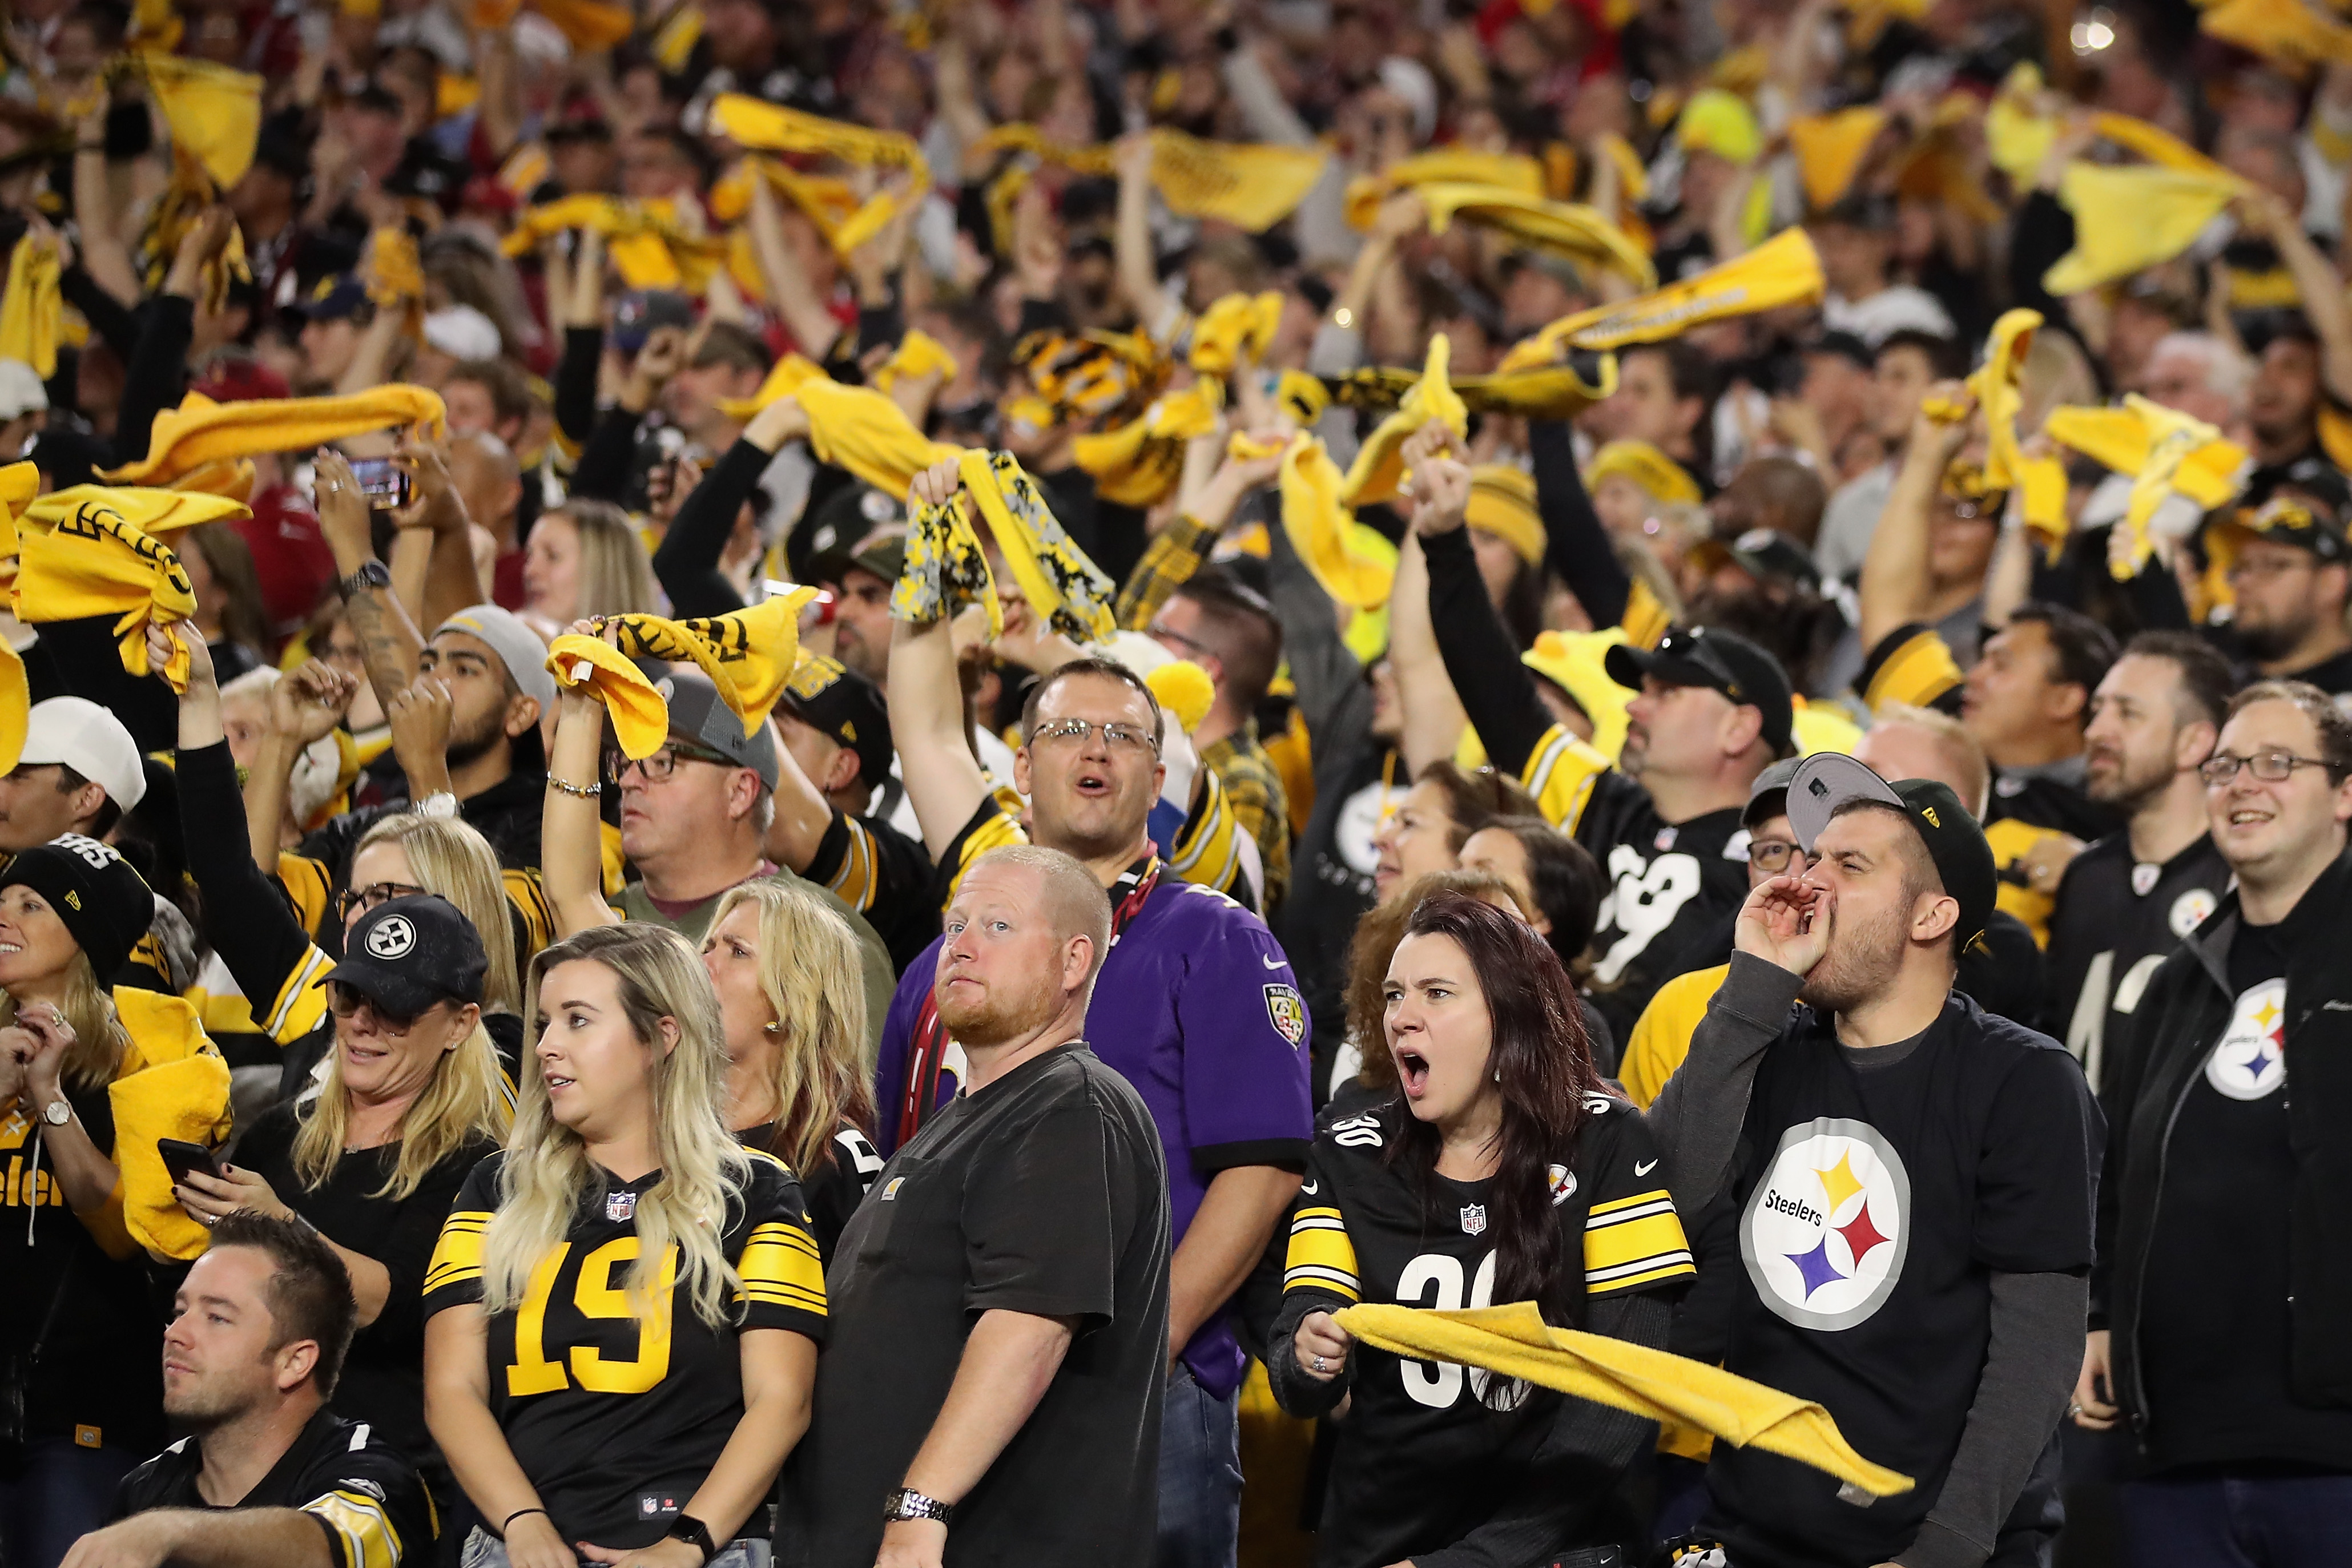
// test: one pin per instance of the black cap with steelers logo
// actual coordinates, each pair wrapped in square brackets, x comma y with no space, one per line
[1828,780]
[408,954]
[844,707]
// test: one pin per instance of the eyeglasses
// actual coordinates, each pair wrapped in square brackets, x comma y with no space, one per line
[1772,856]
[663,762]
[1161,634]
[1076,731]
[2270,766]
[343,1001]
[360,900]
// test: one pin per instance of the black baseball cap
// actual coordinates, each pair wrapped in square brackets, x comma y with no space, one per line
[408,954]
[882,551]
[106,904]
[845,707]
[1828,780]
[2304,503]
[1720,661]
[1763,554]
[334,299]
[641,310]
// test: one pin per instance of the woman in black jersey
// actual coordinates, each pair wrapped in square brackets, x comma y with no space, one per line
[792,998]
[1501,1171]
[624,1312]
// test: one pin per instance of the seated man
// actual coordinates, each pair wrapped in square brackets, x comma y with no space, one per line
[267,1478]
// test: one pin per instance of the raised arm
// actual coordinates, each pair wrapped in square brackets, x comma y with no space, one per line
[688,561]
[813,326]
[1139,272]
[1895,584]
[926,724]
[1433,719]
[2315,280]
[438,513]
[1576,546]
[389,641]
[571,838]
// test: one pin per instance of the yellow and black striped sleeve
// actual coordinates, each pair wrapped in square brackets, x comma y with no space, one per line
[301,1000]
[359,1530]
[781,1270]
[527,898]
[1560,773]
[309,884]
[994,825]
[1320,1258]
[846,863]
[1207,849]
[454,1277]
[1633,1243]
[1912,665]
[368,1500]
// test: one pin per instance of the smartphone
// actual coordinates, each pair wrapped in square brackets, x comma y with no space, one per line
[180,1157]
[383,481]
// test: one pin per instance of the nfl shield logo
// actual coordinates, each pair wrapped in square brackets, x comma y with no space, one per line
[2143,877]
[1473,1218]
[1286,1012]
[620,1207]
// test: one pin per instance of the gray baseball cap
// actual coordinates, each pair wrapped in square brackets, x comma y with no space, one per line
[516,644]
[696,714]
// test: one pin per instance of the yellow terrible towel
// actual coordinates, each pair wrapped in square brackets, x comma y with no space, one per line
[1234,326]
[1379,469]
[213,113]
[1784,270]
[645,240]
[96,561]
[1567,228]
[748,656]
[2119,439]
[1249,185]
[946,568]
[791,373]
[1322,530]
[1139,463]
[173,1084]
[859,429]
[1671,1390]
[32,312]
[2127,219]
[1444,166]
[2043,479]
[200,431]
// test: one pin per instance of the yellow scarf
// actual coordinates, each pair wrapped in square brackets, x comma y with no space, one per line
[947,569]
[1671,1390]
[33,309]
[1784,270]
[96,561]
[1139,463]
[200,431]
[1251,186]
[748,655]
[1548,392]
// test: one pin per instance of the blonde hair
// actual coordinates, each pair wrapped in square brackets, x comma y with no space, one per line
[547,1174]
[812,977]
[467,1096]
[616,577]
[100,1040]
[452,857]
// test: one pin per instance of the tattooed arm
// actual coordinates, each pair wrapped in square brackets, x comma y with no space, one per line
[389,641]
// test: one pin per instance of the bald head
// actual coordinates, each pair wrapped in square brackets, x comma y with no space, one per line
[1072,902]
[488,479]
[1921,743]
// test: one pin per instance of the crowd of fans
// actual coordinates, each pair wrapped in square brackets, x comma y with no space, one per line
[820,782]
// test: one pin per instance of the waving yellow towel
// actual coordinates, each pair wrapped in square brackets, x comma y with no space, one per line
[2127,219]
[947,569]
[748,656]
[200,431]
[1671,1390]
[1249,185]
[32,312]
[1378,468]
[2041,479]
[859,429]
[149,510]
[213,112]
[1830,149]
[1139,463]
[1441,166]
[645,240]
[1784,270]
[1565,228]
[2120,439]
[96,561]
[1324,532]
[1234,326]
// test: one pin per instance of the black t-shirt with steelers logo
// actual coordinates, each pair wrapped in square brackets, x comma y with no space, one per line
[617,1417]
[1424,1455]
[2117,919]
[1877,1192]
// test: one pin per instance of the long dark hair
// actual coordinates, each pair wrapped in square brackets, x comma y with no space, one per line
[1543,1063]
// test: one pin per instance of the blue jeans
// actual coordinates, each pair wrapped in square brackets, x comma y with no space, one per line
[2239,1522]
[1200,1475]
[483,1550]
[59,1493]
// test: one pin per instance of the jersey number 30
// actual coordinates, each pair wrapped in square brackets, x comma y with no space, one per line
[600,1292]
[1439,1384]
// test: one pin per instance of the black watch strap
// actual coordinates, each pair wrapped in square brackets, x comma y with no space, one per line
[374,574]
[694,1532]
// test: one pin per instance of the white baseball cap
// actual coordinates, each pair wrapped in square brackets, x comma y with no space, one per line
[21,391]
[462,332]
[84,736]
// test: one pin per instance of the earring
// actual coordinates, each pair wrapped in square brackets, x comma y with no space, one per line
[774,1029]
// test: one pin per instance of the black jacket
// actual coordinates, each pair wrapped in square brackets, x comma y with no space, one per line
[2179,1022]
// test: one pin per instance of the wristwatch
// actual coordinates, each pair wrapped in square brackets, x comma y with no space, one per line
[374,574]
[694,1532]
[904,1504]
[440,804]
[57,1113]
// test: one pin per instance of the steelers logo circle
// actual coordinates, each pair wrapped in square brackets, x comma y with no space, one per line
[1827,1228]
[392,938]
[2251,1061]
[2190,910]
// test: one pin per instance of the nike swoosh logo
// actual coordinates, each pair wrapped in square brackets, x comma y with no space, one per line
[1641,1170]
[1271,963]
[1311,1188]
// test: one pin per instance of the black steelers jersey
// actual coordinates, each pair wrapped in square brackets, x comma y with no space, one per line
[2116,921]
[616,1418]
[1430,1452]
[1673,891]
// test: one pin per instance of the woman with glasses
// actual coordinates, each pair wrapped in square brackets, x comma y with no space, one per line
[409,1091]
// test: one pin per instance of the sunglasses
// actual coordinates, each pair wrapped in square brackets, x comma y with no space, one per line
[345,1002]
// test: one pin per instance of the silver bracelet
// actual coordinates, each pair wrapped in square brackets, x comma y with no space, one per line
[580,791]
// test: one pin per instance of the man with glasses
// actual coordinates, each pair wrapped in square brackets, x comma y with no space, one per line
[692,819]
[2225,1215]
[1196,1007]
[2291,573]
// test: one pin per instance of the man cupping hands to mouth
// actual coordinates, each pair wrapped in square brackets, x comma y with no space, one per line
[1913,1182]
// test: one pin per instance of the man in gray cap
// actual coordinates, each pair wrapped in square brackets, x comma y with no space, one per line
[692,819]
[493,769]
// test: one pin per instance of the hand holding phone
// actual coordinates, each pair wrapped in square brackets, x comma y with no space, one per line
[383,481]
[180,1157]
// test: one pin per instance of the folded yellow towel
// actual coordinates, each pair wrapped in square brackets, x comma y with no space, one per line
[173,1084]
[200,431]
[1674,1391]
